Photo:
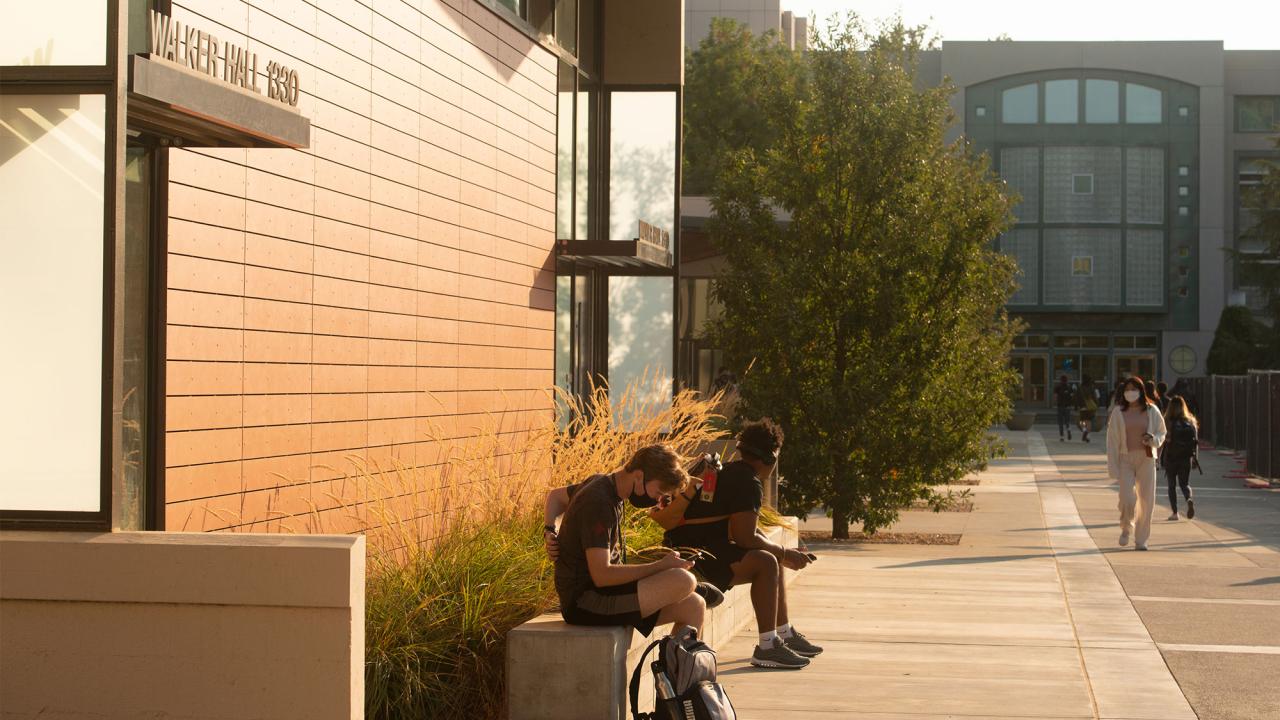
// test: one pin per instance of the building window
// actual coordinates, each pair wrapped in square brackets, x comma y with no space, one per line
[1082,184]
[1184,111]
[1062,101]
[1082,265]
[1184,251]
[642,161]
[1184,171]
[52,155]
[1183,360]
[1258,113]
[1183,191]
[980,111]
[1020,105]
[1184,292]
[42,34]
[1143,105]
[1101,101]
[1184,272]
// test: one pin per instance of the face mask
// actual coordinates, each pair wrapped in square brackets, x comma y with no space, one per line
[641,499]
[1132,395]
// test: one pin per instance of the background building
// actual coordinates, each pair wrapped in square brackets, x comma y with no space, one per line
[1130,159]
[760,16]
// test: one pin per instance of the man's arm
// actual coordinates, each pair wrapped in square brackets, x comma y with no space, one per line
[744,532]
[605,574]
[557,501]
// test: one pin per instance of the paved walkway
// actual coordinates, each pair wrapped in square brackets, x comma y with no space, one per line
[1028,617]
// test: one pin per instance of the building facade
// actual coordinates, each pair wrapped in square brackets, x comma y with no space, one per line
[263,241]
[1130,160]
[760,16]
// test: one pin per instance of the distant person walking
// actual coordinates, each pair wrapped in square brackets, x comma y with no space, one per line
[1180,450]
[1162,396]
[1088,404]
[1064,397]
[1135,429]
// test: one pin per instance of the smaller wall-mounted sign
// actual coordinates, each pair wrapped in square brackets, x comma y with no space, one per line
[185,45]
[655,235]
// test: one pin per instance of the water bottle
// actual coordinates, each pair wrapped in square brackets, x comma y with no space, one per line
[663,683]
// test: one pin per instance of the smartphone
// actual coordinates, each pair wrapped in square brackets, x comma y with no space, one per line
[811,556]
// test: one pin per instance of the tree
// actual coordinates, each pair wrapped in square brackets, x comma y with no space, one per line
[1262,270]
[733,83]
[873,318]
[1235,343]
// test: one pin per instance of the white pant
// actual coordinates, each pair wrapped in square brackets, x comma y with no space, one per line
[1136,469]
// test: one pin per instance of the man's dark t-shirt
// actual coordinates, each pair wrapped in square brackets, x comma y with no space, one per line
[592,520]
[737,490]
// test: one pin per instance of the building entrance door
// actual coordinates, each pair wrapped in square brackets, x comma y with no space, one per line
[1144,366]
[1034,370]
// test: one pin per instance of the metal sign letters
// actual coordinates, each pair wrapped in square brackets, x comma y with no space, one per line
[185,45]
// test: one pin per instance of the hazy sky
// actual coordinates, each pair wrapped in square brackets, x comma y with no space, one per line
[1241,24]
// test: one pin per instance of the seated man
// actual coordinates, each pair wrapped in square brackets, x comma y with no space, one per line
[594,585]
[721,521]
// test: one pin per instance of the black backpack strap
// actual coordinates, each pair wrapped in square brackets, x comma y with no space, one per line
[635,680]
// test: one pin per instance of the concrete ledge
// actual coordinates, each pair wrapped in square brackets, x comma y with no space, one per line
[181,626]
[549,660]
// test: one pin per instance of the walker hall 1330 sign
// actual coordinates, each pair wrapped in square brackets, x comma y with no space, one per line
[185,45]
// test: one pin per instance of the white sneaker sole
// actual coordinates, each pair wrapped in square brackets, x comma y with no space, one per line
[774,665]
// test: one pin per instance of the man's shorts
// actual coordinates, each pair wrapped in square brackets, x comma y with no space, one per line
[714,565]
[613,605]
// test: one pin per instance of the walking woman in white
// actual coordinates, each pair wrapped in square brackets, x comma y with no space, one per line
[1135,430]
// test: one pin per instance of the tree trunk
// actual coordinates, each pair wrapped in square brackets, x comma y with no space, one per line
[839,525]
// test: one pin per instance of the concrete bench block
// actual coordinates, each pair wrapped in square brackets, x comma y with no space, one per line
[558,671]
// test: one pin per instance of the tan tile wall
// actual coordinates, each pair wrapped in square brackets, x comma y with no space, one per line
[386,287]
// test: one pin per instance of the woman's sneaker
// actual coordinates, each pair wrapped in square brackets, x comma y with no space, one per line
[1191,509]
[779,656]
[801,646]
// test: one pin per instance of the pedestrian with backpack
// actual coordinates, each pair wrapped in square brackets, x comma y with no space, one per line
[1180,450]
[1088,403]
[1064,397]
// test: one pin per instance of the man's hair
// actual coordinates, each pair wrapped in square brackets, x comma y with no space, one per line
[764,434]
[658,462]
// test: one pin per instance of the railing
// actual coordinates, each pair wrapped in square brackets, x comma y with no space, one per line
[1242,412]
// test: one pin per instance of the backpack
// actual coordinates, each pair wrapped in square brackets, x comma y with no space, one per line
[1182,439]
[684,679]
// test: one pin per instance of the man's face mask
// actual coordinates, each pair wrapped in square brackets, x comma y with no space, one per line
[641,499]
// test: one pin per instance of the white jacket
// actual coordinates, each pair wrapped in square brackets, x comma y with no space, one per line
[1117,444]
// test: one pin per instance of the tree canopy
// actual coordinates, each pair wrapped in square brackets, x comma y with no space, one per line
[861,288]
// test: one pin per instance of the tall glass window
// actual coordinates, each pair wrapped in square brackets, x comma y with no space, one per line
[1020,104]
[564,152]
[1143,105]
[640,344]
[131,495]
[1062,101]
[642,162]
[52,165]
[583,143]
[54,32]
[1101,101]
[564,342]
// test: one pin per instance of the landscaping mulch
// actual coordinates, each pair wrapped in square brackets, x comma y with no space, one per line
[884,538]
[959,506]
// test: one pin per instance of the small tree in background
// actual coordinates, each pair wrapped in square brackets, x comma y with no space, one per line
[873,319]
[1235,343]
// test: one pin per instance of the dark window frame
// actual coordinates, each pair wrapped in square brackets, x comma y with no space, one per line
[107,80]
[1275,113]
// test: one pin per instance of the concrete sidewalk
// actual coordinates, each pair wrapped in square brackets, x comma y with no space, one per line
[1024,618]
